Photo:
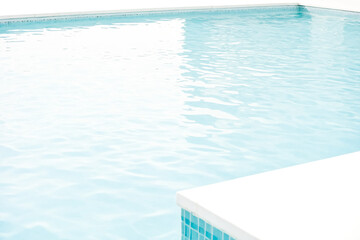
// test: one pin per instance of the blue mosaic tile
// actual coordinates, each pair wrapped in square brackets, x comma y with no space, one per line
[201,226]
[217,234]
[194,235]
[187,231]
[187,217]
[195,228]
[208,231]
[194,222]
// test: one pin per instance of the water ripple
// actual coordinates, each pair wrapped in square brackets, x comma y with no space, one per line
[103,120]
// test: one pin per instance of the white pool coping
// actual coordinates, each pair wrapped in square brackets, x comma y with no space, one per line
[313,201]
[42,8]
[144,10]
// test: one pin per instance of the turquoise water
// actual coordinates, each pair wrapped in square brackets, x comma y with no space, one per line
[103,119]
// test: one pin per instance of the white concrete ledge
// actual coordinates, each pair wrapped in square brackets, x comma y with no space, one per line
[42,8]
[345,5]
[20,8]
[141,10]
[313,201]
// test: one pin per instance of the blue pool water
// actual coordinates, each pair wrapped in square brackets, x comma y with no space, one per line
[103,119]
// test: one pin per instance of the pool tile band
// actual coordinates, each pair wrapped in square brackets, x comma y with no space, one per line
[245,9]
[195,228]
[278,8]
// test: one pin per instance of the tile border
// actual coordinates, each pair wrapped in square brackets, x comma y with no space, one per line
[142,11]
[195,228]
[135,12]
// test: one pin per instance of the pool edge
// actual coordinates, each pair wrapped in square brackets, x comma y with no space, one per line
[208,202]
[134,11]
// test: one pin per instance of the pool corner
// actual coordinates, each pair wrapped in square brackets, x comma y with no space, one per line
[317,200]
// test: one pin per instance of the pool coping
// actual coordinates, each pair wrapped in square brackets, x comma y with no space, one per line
[283,204]
[140,10]
[21,17]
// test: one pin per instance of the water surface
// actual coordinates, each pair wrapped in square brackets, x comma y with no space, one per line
[103,119]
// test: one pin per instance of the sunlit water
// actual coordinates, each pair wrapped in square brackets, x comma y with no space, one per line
[103,119]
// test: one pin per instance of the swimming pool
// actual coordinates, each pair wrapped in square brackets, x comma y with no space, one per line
[104,118]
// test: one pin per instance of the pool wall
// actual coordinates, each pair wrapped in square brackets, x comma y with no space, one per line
[193,227]
[249,10]
[40,8]
[125,12]
[18,8]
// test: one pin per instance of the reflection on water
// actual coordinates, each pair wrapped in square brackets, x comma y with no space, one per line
[102,121]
